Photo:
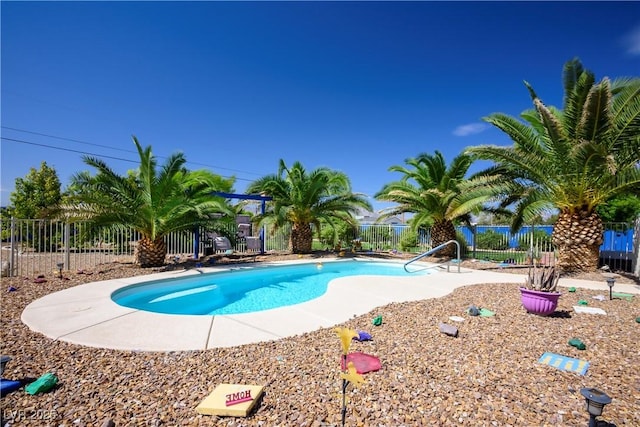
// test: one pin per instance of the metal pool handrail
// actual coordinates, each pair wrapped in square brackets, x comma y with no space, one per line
[437,248]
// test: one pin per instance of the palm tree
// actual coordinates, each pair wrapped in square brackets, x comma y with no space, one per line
[437,195]
[152,202]
[302,199]
[571,160]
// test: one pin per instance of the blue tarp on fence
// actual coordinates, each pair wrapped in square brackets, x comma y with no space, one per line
[621,241]
[614,240]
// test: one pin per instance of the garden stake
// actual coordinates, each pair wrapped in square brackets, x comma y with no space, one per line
[349,373]
[345,383]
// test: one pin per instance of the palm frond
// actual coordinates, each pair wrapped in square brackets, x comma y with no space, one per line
[153,201]
[555,136]
[524,137]
[303,197]
[573,104]
[571,72]
[595,120]
[625,112]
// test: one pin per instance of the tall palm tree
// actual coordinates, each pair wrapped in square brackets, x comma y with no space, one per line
[153,202]
[570,160]
[302,199]
[437,195]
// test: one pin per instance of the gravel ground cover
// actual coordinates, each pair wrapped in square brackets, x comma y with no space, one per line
[488,376]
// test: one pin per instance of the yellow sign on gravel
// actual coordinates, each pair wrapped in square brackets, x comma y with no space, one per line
[236,400]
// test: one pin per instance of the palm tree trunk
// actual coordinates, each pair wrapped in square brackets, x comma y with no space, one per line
[301,238]
[151,253]
[577,237]
[441,232]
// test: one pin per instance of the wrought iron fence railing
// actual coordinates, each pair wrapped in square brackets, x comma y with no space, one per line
[32,247]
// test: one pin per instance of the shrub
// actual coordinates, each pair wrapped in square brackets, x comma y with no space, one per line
[376,238]
[343,234]
[491,239]
[409,241]
[541,240]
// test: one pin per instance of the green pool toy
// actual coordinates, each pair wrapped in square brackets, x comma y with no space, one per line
[575,342]
[622,295]
[377,321]
[572,289]
[486,312]
[583,302]
[43,384]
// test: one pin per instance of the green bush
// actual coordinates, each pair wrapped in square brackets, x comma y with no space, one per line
[328,238]
[375,238]
[491,239]
[343,234]
[541,240]
[409,241]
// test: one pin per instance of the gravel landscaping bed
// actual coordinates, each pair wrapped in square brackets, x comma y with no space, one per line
[488,376]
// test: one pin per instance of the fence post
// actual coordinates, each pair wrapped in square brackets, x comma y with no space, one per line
[67,245]
[474,232]
[12,255]
[196,243]
[263,230]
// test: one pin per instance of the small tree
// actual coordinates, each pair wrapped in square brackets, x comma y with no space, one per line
[624,208]
[37,195]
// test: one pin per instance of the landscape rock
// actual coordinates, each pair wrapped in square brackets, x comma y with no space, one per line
[491,378]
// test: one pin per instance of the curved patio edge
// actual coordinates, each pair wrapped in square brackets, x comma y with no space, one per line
[86,314]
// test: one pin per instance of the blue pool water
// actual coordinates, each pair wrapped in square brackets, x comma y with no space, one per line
[247,290]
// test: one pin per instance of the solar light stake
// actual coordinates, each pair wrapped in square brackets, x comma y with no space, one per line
[610,282]
[595,403]
[60,266]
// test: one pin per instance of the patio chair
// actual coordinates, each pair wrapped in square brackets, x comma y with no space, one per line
[222,244]
[254,244]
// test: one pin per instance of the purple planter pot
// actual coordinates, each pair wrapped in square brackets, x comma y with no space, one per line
[540,303]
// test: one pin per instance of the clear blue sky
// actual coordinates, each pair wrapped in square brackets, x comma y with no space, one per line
[354,86]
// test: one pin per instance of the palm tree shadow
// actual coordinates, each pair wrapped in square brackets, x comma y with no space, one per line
[561,314]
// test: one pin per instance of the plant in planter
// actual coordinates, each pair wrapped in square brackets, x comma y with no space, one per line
[539,294]
[544,279]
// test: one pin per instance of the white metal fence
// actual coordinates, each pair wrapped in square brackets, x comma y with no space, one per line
[33,247]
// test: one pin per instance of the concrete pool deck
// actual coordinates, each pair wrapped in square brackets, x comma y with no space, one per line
[86,314]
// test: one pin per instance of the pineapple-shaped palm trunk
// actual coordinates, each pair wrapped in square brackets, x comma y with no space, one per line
[577,237]
[151,253]
[442,232]
[301,238]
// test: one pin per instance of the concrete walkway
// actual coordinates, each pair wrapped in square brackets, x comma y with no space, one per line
[87,315]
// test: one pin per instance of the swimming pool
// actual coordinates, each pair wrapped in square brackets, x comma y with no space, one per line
[245,290]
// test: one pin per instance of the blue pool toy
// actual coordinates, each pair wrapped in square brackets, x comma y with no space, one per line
[7,386]
[363,336]
[564,363]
